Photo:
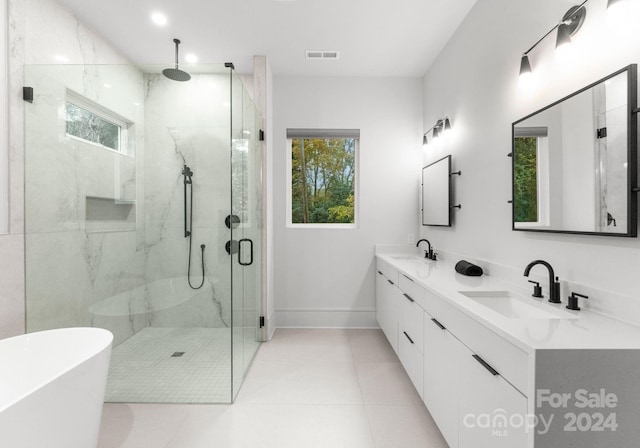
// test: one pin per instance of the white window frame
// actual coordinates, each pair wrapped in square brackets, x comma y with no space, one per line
[542,173]
[84,103]
[323,133]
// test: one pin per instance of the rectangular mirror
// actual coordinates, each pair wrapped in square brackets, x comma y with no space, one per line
[574,167]
[436,193]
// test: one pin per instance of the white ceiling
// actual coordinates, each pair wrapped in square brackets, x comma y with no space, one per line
[374,37]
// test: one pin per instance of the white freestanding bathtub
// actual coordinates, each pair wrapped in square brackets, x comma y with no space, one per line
[52,387]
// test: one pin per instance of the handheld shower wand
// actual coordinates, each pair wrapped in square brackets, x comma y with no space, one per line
[188,223]
[187,173]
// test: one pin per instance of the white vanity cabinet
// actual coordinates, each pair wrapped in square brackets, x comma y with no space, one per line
[410,330]
[401,318]
[387,302]
[462,390]
[465,373]
[441,355]
[485,397]
[493,381]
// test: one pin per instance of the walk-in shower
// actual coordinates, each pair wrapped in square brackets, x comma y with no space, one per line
[124,168]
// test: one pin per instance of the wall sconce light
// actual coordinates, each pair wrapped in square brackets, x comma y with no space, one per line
[447,126]
[567,27]
[442,127]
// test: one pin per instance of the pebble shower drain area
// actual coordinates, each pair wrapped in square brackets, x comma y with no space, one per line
[172,365]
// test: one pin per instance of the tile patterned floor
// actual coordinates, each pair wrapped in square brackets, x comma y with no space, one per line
[305,388]
[144,370]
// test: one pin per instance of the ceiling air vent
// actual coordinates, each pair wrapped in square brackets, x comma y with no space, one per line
[323,54]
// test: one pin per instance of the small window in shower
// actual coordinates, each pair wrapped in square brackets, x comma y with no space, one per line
[93,123]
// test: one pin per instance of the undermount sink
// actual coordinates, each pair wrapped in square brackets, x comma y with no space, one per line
[408,257]
[512,306]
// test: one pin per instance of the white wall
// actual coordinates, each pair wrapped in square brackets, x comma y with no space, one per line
[325,277]
[475,82]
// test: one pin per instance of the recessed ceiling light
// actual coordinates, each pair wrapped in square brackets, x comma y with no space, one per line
[159,19]
[191,58]
[108,86]
[61,58]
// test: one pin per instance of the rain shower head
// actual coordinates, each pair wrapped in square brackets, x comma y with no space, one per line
[176,74]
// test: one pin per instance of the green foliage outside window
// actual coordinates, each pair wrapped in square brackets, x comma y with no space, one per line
[525,179]
[322,181]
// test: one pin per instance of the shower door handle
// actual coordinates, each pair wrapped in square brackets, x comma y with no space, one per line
[245,240]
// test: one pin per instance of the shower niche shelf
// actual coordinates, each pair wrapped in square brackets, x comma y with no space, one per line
[109,215]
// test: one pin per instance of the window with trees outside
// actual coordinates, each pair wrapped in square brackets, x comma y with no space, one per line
[531,176]
[92,123]
[526,179]
[322,173]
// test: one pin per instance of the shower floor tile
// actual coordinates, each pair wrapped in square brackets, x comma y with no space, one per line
[172,365]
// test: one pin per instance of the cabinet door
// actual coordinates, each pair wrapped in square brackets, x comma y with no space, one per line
[411,321]
[412,360]
[387,308]
[441,354]
[491,411]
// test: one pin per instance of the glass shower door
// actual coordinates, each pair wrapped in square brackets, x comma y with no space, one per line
[246,204]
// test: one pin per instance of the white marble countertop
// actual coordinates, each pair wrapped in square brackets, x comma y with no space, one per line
[584,330]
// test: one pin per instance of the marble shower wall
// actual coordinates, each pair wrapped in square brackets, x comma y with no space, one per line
[105,239]
[189,124]
[84,209]
[40,32]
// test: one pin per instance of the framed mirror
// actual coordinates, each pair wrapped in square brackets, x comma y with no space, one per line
[574,162]
[436,193]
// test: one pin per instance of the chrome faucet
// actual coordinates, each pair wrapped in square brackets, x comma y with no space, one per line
[427,253]
[554,284]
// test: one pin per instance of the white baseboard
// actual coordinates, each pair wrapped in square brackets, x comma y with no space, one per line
[326,318]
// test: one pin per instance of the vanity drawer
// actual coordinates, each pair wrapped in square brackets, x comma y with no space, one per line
[411,289]
[510,362]
[411,322]
[387,271]
[412,360]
